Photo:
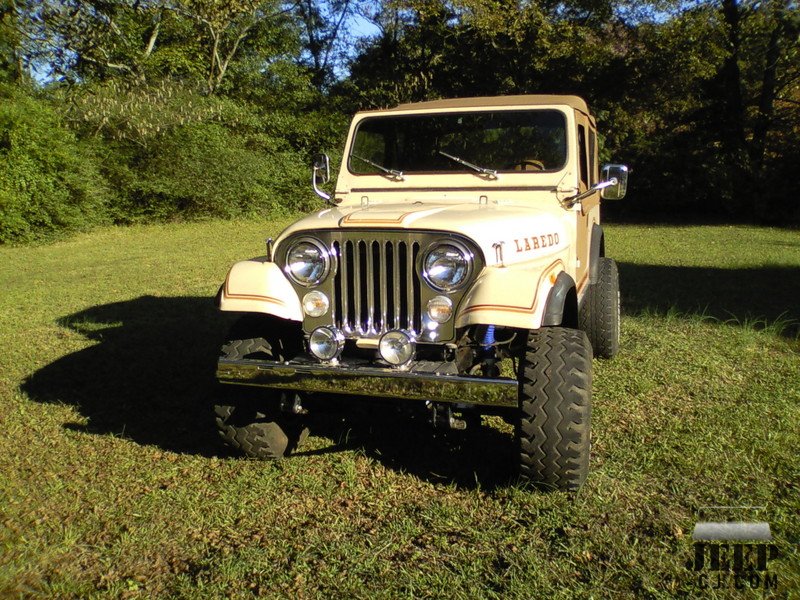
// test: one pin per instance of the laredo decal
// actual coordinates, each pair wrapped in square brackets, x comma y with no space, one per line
[536,242]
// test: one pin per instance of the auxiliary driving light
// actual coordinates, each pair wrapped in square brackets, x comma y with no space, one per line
[396,347]
[326,343]
[315,304]
[440,309]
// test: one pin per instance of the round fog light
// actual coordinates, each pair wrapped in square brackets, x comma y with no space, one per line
[315,304]
[440,309]
[396,347]
[326,343]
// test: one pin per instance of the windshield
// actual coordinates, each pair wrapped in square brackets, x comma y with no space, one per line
[476,142]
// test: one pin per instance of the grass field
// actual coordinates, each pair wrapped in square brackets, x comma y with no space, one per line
[112,482]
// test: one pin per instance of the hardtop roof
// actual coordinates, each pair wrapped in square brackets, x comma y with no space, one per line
[489,101]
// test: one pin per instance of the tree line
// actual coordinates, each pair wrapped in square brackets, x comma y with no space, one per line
[122,111]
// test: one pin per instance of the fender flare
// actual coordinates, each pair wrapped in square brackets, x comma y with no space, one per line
[562,304]
[597,249]
[502,296]
[259,286]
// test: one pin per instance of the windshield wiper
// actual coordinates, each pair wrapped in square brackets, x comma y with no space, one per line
[490,173]
[392,173]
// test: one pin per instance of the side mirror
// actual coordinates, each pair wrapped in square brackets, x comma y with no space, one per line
[320,174]
[322,168]
[616,176]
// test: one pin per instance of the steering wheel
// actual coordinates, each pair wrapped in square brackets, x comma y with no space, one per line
[523,165]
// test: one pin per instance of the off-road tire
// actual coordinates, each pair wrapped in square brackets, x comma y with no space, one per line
[555,406]
[250,419]
[599,315]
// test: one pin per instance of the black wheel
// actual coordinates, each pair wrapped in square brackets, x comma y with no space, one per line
[555,406]
[599,315]
[251,419]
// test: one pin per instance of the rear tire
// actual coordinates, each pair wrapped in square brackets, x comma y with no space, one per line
[555,406]
[251,419]
[600,310]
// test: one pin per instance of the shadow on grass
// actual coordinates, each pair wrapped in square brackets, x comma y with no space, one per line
[759,296]
[478,457]
[150,378]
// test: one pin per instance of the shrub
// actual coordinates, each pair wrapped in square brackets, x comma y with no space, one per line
[49,182]
[205,170]
[170,152]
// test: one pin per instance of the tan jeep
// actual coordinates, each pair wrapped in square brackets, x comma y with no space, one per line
[460,233]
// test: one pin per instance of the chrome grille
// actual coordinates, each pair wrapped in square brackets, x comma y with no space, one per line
[376,287]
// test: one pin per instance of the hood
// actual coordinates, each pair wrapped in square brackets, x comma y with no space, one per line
[523,232]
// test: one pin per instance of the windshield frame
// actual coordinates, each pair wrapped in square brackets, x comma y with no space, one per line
[369,117]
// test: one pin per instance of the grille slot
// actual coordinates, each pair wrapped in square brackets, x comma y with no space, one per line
[376,287]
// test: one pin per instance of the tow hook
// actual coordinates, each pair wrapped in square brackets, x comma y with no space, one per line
[442,417]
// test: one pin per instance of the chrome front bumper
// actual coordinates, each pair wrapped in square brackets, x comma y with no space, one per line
[420,382]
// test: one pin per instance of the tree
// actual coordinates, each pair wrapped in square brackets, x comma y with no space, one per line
[143,41]
[227,26]
[704,96]
[95,39]
[10,58]
[325,36]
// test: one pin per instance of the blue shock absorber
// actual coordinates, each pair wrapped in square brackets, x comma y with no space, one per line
[487,343]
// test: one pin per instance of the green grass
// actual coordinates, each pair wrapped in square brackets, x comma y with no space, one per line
[112,483]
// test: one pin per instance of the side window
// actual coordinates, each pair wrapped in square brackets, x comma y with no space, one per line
[584,167]
[592,157]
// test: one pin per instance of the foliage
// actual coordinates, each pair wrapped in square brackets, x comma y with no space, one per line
[205,170]
[326,36]
[185,117]
[48,181]
[136,114]
[145,41]
[9,42]
[701,99]
[227,28]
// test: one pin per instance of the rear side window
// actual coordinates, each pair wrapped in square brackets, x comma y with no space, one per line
[584,167]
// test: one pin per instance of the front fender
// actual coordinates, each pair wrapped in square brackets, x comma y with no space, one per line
[510,296]
[259,286]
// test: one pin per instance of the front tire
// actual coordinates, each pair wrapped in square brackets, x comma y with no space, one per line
[555,405]
[257,427]
[251,420]
[600,311]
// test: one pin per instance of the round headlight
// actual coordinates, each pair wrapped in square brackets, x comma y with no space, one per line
[396,347]
[447,266]
[308,262]
[326,343]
